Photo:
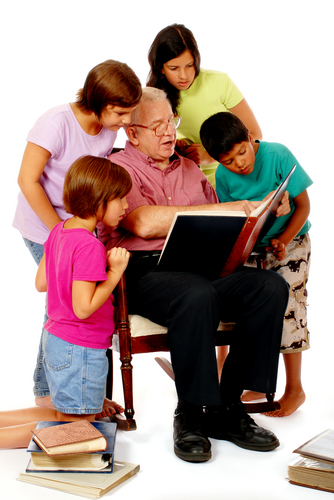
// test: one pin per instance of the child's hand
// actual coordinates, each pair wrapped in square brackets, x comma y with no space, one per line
[197,154]
[278,248]
[181,146]
[117,259]
[284,206]
[194,152]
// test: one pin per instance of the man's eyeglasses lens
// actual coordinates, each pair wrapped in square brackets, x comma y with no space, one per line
[161,129]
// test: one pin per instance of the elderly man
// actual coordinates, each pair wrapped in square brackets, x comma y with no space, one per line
[190,305]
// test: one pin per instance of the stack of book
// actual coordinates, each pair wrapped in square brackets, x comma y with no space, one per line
[315,466]
[76,457]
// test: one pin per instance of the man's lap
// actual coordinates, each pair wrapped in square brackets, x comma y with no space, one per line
[153,294]
[191,306]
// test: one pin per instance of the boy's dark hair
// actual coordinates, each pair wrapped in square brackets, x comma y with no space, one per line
[170,43]
[221,132]
[111,82]
[90,183]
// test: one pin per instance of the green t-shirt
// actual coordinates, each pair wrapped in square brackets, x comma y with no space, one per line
[273,162]
[210,93]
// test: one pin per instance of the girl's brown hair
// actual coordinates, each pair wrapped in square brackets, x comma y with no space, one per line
[90,183]
[111,82]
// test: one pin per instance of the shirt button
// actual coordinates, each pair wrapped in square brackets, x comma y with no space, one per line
[169,198]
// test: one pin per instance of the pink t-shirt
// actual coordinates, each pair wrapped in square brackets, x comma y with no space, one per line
[59,132]
[181,184]
[76,254]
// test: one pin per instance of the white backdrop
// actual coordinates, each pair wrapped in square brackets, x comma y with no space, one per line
[280,54]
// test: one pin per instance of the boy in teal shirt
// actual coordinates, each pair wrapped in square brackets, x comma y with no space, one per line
[249,170]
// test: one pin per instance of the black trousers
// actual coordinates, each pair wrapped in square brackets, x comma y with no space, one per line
[191,306]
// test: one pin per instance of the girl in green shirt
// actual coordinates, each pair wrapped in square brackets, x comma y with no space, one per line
[195,93]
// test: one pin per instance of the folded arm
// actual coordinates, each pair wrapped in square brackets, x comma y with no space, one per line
[88,296]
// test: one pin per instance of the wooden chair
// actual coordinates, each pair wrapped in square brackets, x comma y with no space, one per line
[135,334]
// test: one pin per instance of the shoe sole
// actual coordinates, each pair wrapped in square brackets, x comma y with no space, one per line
[246,446]
[193,457]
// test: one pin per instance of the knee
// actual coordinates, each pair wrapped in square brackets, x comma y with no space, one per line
[201,297]
[276,286]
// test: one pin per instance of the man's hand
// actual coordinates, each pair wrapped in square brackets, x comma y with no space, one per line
[242,205]
[278,248]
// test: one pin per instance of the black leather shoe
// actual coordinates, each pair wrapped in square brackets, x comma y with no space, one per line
[190,443]
[235,425]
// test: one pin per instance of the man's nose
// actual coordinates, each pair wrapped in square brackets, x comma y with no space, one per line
[170,129]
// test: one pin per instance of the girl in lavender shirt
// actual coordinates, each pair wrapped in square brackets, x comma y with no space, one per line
[60,136]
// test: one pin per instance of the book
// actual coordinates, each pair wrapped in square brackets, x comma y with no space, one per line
[320,447]
[86,485]
[70,438]
[101,461]
[314,467]
[216,243]
[312,473]
[85,462]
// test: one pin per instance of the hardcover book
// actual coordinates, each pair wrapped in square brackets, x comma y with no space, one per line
[100,461]
[86,485]
[71,438]
[321,447]
[312,473]
[314,467]
[216,243]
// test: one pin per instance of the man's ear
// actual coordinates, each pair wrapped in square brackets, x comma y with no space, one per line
[131,132]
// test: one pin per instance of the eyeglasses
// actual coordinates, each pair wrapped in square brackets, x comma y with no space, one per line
[161,129]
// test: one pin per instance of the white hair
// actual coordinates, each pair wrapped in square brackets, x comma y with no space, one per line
[150,94]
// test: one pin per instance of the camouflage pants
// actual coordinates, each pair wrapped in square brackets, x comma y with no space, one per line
[295,269]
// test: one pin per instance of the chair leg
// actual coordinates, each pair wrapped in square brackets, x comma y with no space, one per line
[263,407]
[166,366]
[123,328]
[122,423]
[126,369]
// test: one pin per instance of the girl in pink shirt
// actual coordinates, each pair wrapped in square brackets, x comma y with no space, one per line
[79,277]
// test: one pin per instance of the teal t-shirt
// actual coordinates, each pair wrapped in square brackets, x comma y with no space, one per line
[273,162]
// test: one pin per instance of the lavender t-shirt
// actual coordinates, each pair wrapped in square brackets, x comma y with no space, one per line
[59,132]
[76,254]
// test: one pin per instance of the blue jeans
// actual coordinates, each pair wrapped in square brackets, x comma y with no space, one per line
[76,375]
[41,387]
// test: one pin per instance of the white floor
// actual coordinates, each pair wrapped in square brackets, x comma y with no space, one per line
[232,473]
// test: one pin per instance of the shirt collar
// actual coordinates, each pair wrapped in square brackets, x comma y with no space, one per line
[174,160]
